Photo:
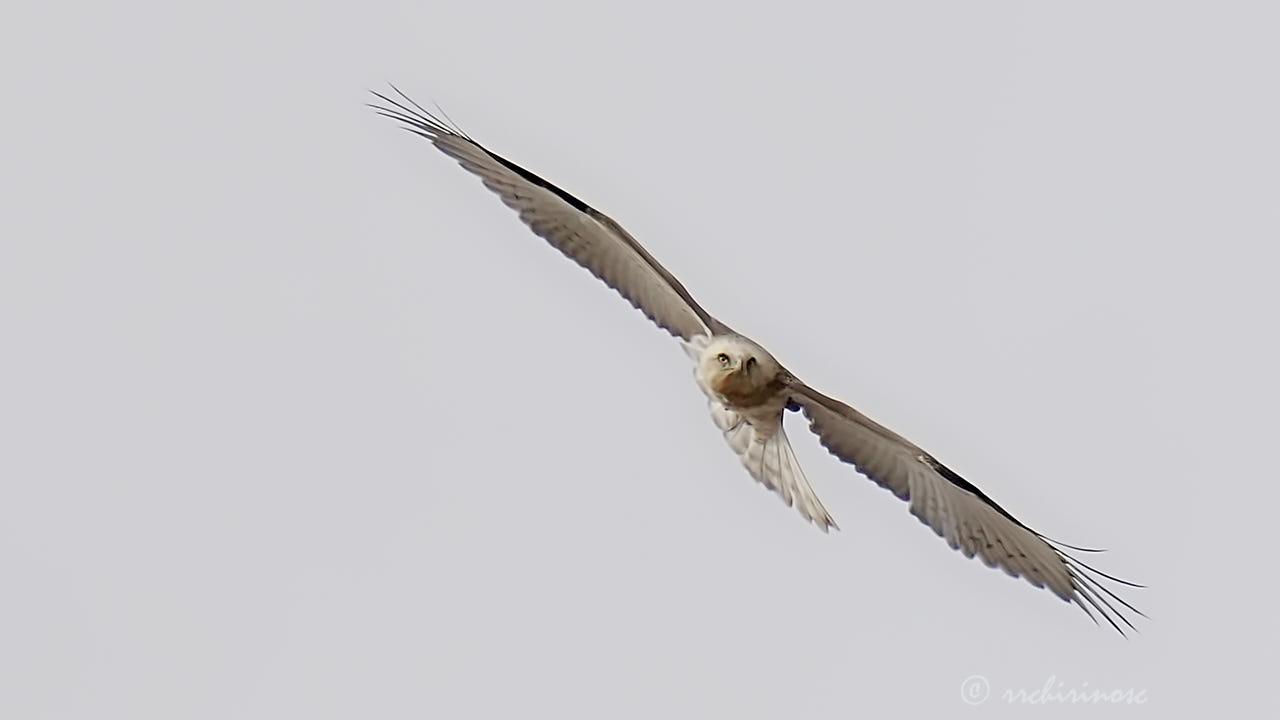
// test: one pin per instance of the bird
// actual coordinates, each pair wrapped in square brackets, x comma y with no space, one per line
[748,391]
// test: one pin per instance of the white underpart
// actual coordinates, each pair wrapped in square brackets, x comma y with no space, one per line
[761,444]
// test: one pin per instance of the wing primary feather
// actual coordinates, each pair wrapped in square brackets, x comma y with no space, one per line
[1094,570]
[1096,606]
[1071,547]
[436,128]
[449,123]
[411,124]
[1112,608]
[1085,588]
[1083,607]
[1105,589]
[409,115]
[421,110]
[453,124]
[1094,591]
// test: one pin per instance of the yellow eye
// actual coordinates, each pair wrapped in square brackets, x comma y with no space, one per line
[724,359]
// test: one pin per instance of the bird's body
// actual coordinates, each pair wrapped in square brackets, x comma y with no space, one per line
[748,391]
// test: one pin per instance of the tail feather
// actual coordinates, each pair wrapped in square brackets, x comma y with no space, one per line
[769,459]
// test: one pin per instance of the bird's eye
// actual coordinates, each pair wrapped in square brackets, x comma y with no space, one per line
[751,362]
[724,359]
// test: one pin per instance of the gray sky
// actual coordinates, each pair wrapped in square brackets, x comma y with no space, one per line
[299,421]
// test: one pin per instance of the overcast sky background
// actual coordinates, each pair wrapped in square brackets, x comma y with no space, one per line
[298,421]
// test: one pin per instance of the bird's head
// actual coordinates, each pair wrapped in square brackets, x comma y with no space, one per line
[735,362]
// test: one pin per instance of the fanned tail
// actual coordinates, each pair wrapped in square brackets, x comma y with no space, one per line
[771,461]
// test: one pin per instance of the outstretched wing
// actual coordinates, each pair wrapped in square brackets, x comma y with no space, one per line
[959,512]
[585,235]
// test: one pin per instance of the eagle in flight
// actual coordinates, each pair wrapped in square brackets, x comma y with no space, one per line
[748,390]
